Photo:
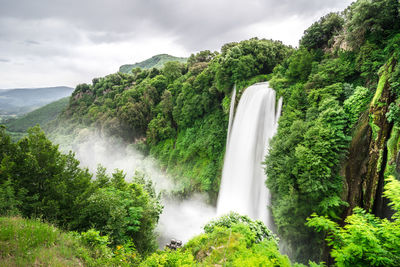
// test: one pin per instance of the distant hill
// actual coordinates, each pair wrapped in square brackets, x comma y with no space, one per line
[40,116]
[156,61]
[20,101]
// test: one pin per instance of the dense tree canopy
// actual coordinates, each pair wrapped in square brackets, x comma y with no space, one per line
[325,93]
[39,181]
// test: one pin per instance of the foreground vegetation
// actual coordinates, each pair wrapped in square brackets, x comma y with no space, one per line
[26,242]
[232,240]
[38,181]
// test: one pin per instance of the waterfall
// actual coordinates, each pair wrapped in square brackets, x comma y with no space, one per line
[243,188]
[231,113]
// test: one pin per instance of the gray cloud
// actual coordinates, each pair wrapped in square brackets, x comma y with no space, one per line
[192,22]
[68,30]
[31,42]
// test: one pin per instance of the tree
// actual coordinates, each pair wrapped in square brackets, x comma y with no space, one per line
[365,240]
[172,70]
[371,20]
[320,34]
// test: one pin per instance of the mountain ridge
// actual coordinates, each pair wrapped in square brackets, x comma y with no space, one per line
[156,61]
[18,101]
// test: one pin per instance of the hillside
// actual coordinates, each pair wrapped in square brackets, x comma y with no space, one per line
[40,116]
[23,100]
[29,242]
[156,61]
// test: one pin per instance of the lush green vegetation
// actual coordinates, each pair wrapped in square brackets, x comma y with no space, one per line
[38,181]
[26,242]
[365,240]
[231,240]
[179,111]
[326,85]
[156,61]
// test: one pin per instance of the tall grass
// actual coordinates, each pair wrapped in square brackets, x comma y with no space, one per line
[25,242]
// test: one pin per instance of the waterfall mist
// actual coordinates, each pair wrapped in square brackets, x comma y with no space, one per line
[243,188]
[181,218]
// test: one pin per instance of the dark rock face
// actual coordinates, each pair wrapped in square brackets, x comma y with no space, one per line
[365,168]
[355,168]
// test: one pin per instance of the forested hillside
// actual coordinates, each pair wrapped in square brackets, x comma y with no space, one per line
[333,167]
[23,100]
[338,138]
[42,116]
[179,113]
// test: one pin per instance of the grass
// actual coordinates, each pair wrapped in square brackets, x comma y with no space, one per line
[26,242]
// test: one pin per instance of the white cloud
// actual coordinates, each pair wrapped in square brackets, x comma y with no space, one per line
[48,43]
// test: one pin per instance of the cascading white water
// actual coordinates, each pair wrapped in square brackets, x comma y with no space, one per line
[231,113]
[243,187]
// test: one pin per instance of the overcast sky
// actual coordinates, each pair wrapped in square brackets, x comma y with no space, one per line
[66,42]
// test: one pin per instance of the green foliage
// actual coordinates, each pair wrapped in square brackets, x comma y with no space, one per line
[330,71]
[239,62]
[169,258]
[258,229]
[393,115]
[321,107]
[173,70]
[299,65]
[46,180]
[232,240]
[38,181]
[320,34]
[96,242]
[9,202]
[31,243]
[197,155]
[123,211]
[365,240]
[369,59]
[302,169]
[357,103]
[371,20]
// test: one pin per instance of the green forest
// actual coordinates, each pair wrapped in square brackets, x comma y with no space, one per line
[333,166]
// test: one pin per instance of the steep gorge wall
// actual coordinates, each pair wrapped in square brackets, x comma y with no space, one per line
[369,158]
